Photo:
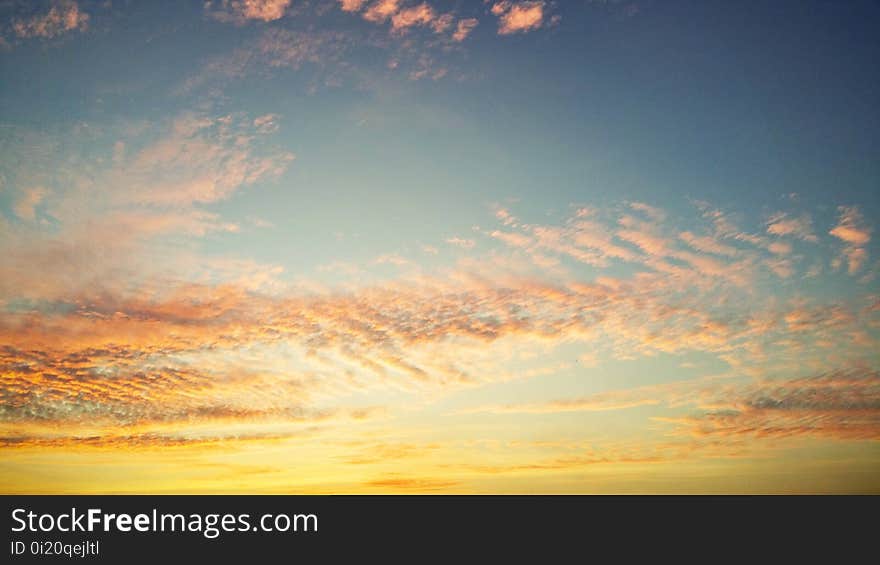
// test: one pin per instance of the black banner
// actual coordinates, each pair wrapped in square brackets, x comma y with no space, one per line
[268,529]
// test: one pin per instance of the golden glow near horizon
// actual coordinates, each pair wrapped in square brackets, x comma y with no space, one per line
[385,247]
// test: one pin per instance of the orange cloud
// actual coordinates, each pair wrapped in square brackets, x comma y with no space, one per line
[202,159]
[405,483]
[464,29]
[419,15]
[518,17]
[239,11]
[843,404]
[784,225]
[351,5]
[840,404]
[64,16]
[25,206]
[382,10]
[94,330]
[708,244]
[852,230]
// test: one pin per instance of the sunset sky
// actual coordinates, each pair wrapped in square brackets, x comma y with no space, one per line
[394,246]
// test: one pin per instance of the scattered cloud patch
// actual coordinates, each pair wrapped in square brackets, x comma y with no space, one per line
[855,234]
[518,17]
[240,11]
[64,16]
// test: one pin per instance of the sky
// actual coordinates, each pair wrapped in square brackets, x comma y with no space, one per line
[404,246]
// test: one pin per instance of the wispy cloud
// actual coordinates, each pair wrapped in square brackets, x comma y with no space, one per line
[407,483]
[461,242]
[464,28]
[116,328]
[25,206]
[855,235]
[842,403]
[275,49]
[784,225]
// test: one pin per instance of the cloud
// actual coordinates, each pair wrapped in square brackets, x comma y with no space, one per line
[406,483]
[586,404]
[202,159]
[461,242]
[111,316]
[505,217]
[708,244]
[779,248]
[137,212]
[240,11]
[851,229]
[649,242]
[513,239]
[381,452]
[464,28]
[652,212]
[783,225]
[442,22]
[88,345]
[64,16]
[843,404]
[402,18]
[275,49]
[518,17]
[391,259]
[419,15]
[649,239]
[25,206]
[382,10]
[351,5]
[267,123]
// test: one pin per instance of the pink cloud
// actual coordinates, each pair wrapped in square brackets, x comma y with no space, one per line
[513,239]
[852,230]
[464,29]
[784,225]
[779,247]
[651,212]
[441,23]
[351,5]
[648,242]
[382,10]
[25,206]
[243,10]
[64,16]
[420,15]
[518,17]
[708,244]
[202,159]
